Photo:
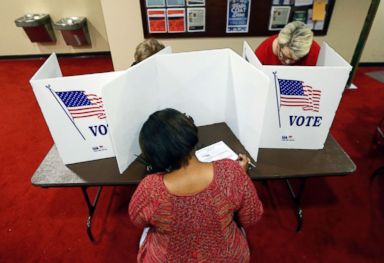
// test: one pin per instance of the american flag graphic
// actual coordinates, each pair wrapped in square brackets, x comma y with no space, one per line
[293,93]
[81,105]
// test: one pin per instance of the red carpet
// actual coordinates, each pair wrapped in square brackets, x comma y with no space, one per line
[343,216]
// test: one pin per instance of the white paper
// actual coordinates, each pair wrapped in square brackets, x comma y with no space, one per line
[215,152]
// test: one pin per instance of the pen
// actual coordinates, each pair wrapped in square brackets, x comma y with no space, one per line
[251,164]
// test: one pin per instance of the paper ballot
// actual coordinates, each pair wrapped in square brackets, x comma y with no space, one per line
[214,152]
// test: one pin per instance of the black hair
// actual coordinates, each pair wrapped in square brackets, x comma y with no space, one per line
[167,139]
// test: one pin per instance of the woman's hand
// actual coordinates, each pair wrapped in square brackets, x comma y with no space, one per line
[243,161]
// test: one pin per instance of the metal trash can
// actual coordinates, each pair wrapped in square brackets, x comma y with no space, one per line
[74,30]
[37,26]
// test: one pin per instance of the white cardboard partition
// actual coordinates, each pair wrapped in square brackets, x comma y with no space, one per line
[302,100]
[211,86]
[266,106]
[74,112]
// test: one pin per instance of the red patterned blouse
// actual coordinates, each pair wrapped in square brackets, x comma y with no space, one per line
[198,227]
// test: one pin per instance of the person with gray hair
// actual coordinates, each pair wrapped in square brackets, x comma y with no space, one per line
[294,45]
[146,49]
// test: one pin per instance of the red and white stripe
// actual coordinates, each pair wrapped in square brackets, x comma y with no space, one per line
[96,109]
[310,101]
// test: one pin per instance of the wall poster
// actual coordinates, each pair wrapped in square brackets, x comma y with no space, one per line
[176,20]
[175,3]
[196,19]
[195,2]
[231,18]
[155,3]
[156,21]
[279,17]
[238,12]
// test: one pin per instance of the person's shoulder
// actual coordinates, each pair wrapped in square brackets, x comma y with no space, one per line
[230,178]
[226,162]
[315,46]
[267,42]
[271,38]
[228,170]
[264,51]
[311,58]
[151,181]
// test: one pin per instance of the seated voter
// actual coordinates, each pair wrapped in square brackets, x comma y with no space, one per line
[293,46]
[189,206]
[146,49]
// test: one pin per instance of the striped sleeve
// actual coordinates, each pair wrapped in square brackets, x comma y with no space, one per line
[141,206]
[242,193]
[251,208]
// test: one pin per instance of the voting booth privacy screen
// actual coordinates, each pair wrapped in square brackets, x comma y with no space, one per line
[74,112]
[211,86]
[302,101]
[97,116]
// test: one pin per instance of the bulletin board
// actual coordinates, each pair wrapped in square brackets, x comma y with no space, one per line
[211,18]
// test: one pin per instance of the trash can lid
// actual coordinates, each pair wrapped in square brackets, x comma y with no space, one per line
[31,20]
[70,23]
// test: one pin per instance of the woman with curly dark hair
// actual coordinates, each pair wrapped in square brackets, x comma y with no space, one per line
[193,209]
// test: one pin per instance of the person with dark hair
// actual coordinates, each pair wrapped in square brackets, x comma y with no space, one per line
[193,209]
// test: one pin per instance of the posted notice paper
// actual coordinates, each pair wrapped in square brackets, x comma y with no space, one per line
[196,19]
[176,20]
[156,21]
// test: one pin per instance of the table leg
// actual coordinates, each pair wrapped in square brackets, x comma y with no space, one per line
[91,208]
[296,198]
[377,172]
